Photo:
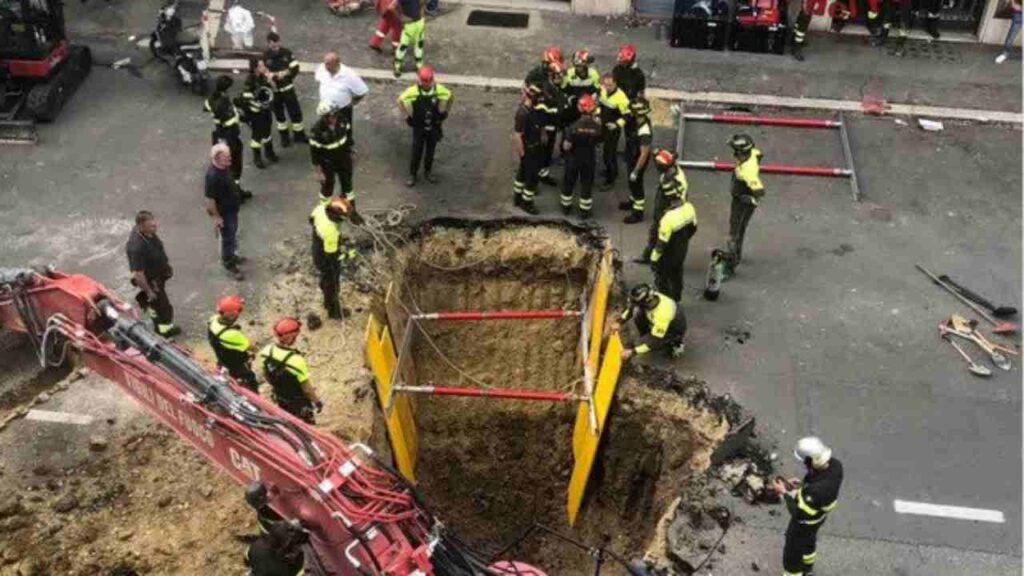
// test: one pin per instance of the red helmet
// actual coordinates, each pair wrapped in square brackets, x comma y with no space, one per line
[230,305]
[425,74]
[582,56]
[552,54]
[556,67]
[664,158]
[627,53]
[286,326]
[586,104]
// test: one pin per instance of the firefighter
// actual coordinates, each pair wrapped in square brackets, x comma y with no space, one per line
[883,15]
[614,111]
[659,319]
[627,73]
[331,154]
[287,372]
[540,75]
[283,69]
[638,152]
[256,498]
[675,228]
[747,190]
[389,24]
[328,254]
[229,343]
[671,184]
[839,13]
[226,120]
[580,148]
[551,105]
[256,103]
[526,142]
[809,503]
[278,552]
[582,78]
[426,105]
[413,25]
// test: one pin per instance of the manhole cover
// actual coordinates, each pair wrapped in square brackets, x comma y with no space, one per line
[498,19]
[941,51]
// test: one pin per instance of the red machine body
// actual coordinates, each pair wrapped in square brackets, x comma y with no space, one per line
[361,517]
[759,13]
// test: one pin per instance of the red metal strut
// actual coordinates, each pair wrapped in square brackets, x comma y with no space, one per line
[512,393]
[765,120]
[723,166]
[497,315]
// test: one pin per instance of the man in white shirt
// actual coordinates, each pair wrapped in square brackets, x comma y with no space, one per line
[340,87]
[239,24]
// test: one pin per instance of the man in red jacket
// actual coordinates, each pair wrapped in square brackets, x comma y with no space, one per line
[389,24]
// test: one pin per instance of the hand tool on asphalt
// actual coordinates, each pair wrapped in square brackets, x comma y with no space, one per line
[972,366]
[998,326]
[997,311]
[964,325]
[997,358]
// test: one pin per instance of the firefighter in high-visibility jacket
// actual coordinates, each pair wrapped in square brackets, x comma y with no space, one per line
[809,503]
[328,252]
[659,319]
[256,102]
[426,105]
[582,78]
[287,372]
[671,184]
[638,152]
[747,191]
[676,227]
[330,150]
[230,345]
[614,111]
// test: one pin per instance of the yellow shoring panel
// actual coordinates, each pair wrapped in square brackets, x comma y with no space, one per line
[598,307]
[380,355]
[586,441]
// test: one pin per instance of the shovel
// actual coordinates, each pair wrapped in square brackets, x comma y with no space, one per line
[972,366]
[997,311]
[998,359]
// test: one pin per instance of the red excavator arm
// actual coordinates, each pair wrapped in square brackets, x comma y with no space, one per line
[362,518]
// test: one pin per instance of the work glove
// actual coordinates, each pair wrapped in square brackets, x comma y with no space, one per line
[633,176]
[357,218]
[318,406]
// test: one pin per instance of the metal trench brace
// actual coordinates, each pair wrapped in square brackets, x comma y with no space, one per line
[849,171]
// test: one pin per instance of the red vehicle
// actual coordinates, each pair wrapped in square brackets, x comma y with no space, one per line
[39,70]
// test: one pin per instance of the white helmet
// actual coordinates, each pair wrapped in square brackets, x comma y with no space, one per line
[812,447]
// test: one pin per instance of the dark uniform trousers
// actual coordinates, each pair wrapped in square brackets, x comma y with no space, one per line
[528,174]
[668,271]
[609,153]
[636,189]
[329,268]
[801,542]
[339,169]
[285,101]
[423,142]
[159,308]
[660,205]
[579,166]
[674,336]
[743,208]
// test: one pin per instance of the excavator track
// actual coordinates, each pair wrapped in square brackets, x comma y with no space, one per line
[45,101]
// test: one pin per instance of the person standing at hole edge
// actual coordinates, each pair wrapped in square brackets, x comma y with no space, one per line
[226,129]
[614,111]
[283,69]
[331,154]
[223,201]
[549,106]
[638,152]
[747,190]
[339,87]
[278,551]
[526,142]
[671,184]
[256,102]
[426,105]
[676,227]
[413,25]
[287,372]
[659,319]
[809,503]
[580,148]
[229,343]
[151,270]
[328,254]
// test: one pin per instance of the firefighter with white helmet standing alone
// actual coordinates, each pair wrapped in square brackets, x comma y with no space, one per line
[809,502]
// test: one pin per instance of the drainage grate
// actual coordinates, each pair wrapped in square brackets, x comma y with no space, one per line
[924,50]
[498,19]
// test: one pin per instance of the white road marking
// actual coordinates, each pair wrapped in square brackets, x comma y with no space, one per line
[957,512]
[511,85]
[59,417]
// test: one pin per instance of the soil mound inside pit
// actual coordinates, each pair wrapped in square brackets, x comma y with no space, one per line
[491,468]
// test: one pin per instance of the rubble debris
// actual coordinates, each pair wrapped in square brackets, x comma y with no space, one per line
[97,443]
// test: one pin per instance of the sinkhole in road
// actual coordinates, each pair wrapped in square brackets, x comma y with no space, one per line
[490,468]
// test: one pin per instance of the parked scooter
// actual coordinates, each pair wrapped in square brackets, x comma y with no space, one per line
[185,58]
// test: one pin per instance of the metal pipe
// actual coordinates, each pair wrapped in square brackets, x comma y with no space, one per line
[844,138]
[510,393]
[496,315]
[793,169]
[791,121]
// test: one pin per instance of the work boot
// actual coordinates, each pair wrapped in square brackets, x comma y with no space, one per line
[234,271]
[300,137]
[586,214]
[634,217]
[271,155]
[567,210]
[838,24]
[607,185]
[931,26]
[430,178]
[168,330]
[411,181]
[547,179]
[527,206]
[286,138]
[626,205]
[798,52]
[257,159]
[376,48]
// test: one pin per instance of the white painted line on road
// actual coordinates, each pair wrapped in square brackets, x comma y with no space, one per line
[825,104]
[59,417]
[957,512]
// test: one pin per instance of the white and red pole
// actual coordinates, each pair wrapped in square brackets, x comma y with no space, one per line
[793,169]
[497,315]
[508,393]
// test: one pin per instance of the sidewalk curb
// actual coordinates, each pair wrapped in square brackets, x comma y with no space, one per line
[726,98]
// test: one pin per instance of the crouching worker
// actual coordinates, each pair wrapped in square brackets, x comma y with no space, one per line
[660,321]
